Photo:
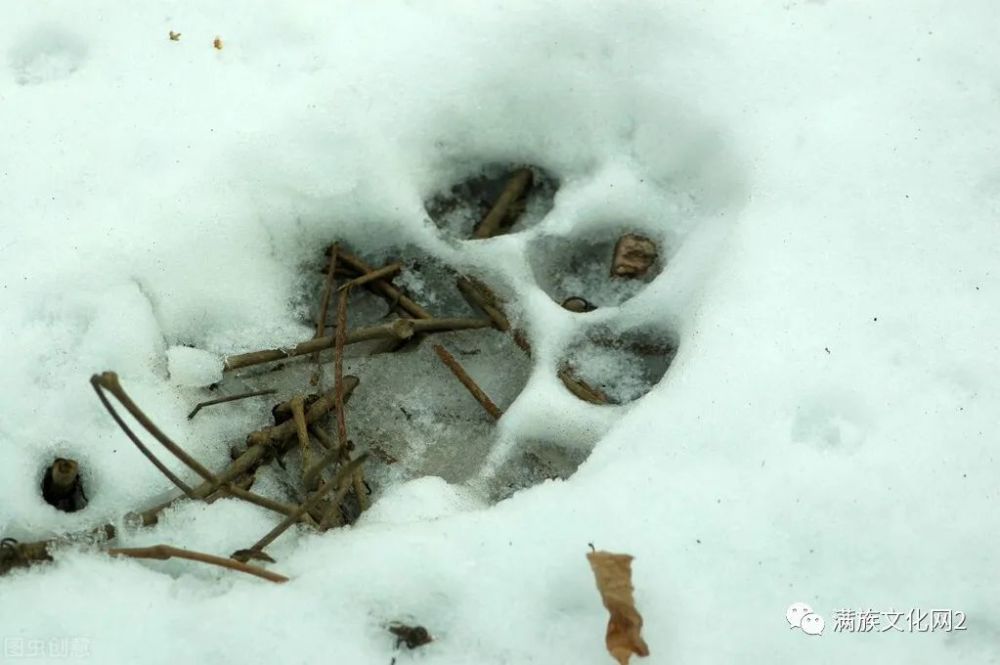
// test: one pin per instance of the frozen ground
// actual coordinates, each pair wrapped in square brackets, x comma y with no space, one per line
[824,176]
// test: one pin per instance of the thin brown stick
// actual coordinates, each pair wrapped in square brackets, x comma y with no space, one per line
[109,381]
[581,388]
[323,438]
[230,398]
[324,306]
[14,554]
[480,297]
[386,289]
[263,501]
[279,434]
[169,552]
[115,388]
[360,490]
[333,454]
[299,418]
[98,382]
[518,183]
[467,381]
[400,329]
[22,555]
[332,516]
[385,272]
[340,478]
[338,378]
[258,445]
[340,339]
[316,440]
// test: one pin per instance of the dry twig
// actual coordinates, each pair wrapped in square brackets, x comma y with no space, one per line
[498,216]
[384,272]
[339,479]
[169,552]
[230,398]
[481,297]
[338,370]
[468,382]
[21,555]
[299,418]
[400,329]
[386,289]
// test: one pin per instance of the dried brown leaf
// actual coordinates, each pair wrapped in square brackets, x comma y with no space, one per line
[411,636]
[217,43]
[613,573]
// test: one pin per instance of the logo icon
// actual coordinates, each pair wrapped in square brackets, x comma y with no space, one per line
[800,615]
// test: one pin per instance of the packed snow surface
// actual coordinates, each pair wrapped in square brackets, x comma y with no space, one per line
[823,178]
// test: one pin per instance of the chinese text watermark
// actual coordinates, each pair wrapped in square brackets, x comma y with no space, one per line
[49,647]
[916,620]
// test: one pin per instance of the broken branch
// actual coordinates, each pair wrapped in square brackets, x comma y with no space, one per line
[386,289]
[400,329]
[479,296]
[163,552]
[467,381]
[21,555]
[230,398]
[495,219]
[259,445]
[324,306]
[102,382]
[299,418]
[384,272]
[340,478]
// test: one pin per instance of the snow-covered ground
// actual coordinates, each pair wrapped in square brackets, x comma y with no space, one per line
[825,177]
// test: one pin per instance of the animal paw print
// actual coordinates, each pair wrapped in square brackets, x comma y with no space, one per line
[447,338]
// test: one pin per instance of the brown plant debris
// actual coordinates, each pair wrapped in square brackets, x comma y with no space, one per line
[578,305]
[613,573]
[478,295]
[581,388]
[340,338]
[341,481]
[175,36]
[324,306]
[330,470]
[385,272]
[229,398]
[170,552]
[62,487]
[411,636]
[400,329]
[14,554]
[506,209]
[633,256]
[467,381]
[261,447]
[385,288]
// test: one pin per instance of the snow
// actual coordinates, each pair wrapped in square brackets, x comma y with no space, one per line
[822,177]
[193,367]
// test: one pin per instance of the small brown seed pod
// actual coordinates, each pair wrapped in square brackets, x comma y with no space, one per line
[633,256]
[576,304]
